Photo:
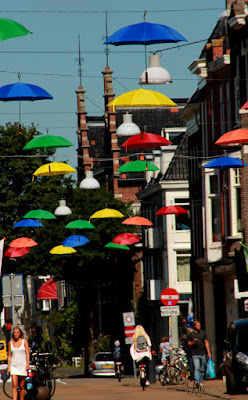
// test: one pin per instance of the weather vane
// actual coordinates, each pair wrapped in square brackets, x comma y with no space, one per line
[79,60]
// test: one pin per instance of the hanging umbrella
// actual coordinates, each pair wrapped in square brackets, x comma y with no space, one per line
[144,33]
[145,141]
[23,242]
[116,246]
[28,223]
[62,250]
[47,142]
[142,98]
[14,252]
[126,238]
[107,213]
[39,214]
[54,168]
[225,163]
[177,210]
[80,224]
[48,291]
[10,29]
[137,166]
[238,136]
[75,240]
[137,221]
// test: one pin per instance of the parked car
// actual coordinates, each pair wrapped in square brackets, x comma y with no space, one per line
[102,365]
[236,357]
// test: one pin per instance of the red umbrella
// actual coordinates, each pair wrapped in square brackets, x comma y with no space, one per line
[126,238]
[23,242]
[48,291]
[177,210]
[137,221]
[145,141]
[238,136]
[16,252]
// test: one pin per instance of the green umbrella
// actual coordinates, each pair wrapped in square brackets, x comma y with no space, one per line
[116,246]
[47,142]
[138,166]
[10,29]
[80,224]
[39,214]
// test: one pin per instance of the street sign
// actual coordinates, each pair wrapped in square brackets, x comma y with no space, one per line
[12,289]
[169,297]
[129,331]
[128,319]
[128,340]
[169,311]
[246,305]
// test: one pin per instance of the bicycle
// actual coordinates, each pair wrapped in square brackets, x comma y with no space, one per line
[44,368]
[163,375]
[119,373]
[142,375]
[7,389]
[195,387]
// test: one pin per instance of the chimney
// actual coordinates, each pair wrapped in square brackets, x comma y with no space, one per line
[83,141]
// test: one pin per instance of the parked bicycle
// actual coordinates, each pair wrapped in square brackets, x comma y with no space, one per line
[44,363]
[175,370]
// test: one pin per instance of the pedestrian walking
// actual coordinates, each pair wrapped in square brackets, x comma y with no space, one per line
[165,349]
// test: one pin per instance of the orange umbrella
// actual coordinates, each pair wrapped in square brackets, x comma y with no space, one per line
[23,242]
[238,136]
[137,221]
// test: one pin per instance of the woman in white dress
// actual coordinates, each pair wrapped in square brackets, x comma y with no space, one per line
[18,362]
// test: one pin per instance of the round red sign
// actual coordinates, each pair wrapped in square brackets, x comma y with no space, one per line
[169,297]
[129,331]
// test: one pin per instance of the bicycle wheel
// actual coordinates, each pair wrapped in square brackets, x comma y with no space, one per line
[143,383]
[172,374]
[163,377]
[181,376]
[7,387]
[51,384]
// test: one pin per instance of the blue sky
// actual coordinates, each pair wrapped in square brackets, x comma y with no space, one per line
[41,63]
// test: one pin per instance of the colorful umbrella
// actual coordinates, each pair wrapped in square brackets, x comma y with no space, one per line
[48,291]
[126,238]
[116,246]
[144,33]
[80,224]
[177,210]
[10,29]
[47,142]
[14,252]
[145,141]
[225,163]
[23,242]
[238,136]
[28,223]
[137,166]
[137,221]
[107,213]
[62,250]
[39,214]
[75,240]
[54,168]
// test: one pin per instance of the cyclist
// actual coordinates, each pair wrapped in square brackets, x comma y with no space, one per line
[141,348]
[117,354]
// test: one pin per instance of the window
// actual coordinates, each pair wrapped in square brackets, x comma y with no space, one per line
[228,107]
[46,305]
[237,91]
[183,266]
[237,196]
[182,220]
[222,111]
[212,112]
[215,204]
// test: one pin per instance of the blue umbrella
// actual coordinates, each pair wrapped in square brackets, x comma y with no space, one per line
[75,240]
[28,223]
[225,163]
[145,33]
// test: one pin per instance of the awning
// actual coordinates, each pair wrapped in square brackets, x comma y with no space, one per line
[48,291]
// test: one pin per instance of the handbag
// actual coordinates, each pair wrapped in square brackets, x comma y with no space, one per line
[210,371]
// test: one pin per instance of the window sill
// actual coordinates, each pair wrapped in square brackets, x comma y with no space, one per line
[236,236]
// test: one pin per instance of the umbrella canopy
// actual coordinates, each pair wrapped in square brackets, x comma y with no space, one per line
[14,252]
[238,136]
[225,163]
[54,168]
[126,238]
[75,240]
[23,91]
[142,98]
[23,242]
[48,291]
[47,142]
[116,246]
[10,29]
[137,166]
[39,214]
[145,141]
[107,213]
[144,33]
[80,224]
[137,221]
[62,250]
[28,223]
[177,210]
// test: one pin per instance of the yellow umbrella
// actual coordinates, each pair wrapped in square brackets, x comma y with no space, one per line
[107,213]
[142,98]
[54,168]
[62,250]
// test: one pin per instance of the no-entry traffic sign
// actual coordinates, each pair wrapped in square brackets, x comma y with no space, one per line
[129,331]
[169,297]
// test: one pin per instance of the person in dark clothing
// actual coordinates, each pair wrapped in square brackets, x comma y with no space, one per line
[188,351]
[117,354]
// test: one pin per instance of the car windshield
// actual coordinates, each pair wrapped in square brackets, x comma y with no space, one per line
[242,342]
[104,357]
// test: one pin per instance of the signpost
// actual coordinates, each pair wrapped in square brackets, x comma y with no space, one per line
[12,292]
[170,297]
